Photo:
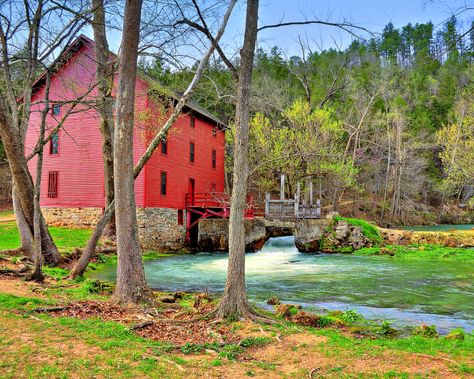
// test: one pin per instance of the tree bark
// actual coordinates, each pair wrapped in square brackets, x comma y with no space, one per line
[234,301]
[131,285]
[26,237]
[105,79]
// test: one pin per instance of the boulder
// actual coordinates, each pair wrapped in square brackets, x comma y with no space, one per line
[309,234]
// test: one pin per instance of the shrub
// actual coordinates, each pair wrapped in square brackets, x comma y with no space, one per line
[369,230]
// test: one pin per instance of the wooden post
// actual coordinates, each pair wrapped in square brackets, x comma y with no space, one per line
[297,199]
[267,204]
[318,208]
[311,202]
[282,187]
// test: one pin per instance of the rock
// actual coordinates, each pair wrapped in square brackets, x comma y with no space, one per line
[287,310]
[273,301]
[386,251]
[455,335]
[306,319]
[179,295]
[309,234]
[168,300]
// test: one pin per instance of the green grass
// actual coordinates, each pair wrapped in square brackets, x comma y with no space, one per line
[420,252]
[66,239]
[107,349]
[370,231]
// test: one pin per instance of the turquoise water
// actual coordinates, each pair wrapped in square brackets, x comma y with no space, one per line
[438,228]
[404,292]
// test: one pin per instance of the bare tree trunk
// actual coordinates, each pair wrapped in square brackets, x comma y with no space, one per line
[387,174]
[81,265]
[37,274]
[105,79]
[131,285]
[234,301]
[26,237]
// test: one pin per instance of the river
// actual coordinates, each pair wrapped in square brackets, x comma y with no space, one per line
[382,288]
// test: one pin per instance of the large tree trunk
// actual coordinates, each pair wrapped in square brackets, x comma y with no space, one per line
[131,285]
[234,301]
[105,79]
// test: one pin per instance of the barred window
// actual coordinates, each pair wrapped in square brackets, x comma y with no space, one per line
[53,184]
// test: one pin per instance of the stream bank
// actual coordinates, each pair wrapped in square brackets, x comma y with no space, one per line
[334,234]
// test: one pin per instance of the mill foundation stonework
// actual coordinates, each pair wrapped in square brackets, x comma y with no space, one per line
[158,228]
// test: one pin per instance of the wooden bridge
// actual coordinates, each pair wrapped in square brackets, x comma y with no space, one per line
[300,207]
[217,205]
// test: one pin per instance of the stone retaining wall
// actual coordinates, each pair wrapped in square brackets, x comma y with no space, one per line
[158,228]
[214,234]
[309,233]
[72,217]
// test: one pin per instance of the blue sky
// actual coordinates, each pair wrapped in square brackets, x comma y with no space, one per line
[371,14]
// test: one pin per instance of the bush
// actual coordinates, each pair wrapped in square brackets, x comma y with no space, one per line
[369,230]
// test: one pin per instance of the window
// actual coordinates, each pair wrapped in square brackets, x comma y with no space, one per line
[192,121]
[54,144]
[56,109]
[180,217]
[214,130]
[213,187]
[191,152]
[163,183]
[214,159]
[164,148]
[53,184]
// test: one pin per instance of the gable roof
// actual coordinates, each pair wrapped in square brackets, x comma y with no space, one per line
[70,50]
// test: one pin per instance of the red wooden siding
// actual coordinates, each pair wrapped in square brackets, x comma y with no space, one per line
[79,160]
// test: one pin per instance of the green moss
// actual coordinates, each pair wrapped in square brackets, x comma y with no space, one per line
[420,252]
[369,230]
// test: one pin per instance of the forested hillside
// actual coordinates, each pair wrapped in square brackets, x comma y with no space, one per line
[384,128]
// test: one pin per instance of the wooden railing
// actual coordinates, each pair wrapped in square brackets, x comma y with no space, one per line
[290,209]
[220,200]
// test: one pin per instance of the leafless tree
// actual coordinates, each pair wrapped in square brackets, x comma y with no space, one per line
[30,34]
[105,78]
[131,285]
[234,301]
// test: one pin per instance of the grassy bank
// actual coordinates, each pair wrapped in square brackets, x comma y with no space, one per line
[93,337]
[420,252]
[39,344]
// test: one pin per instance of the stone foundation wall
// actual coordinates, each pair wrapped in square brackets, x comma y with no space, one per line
[309,233]
[214,234]
[158,228]
[72,217]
